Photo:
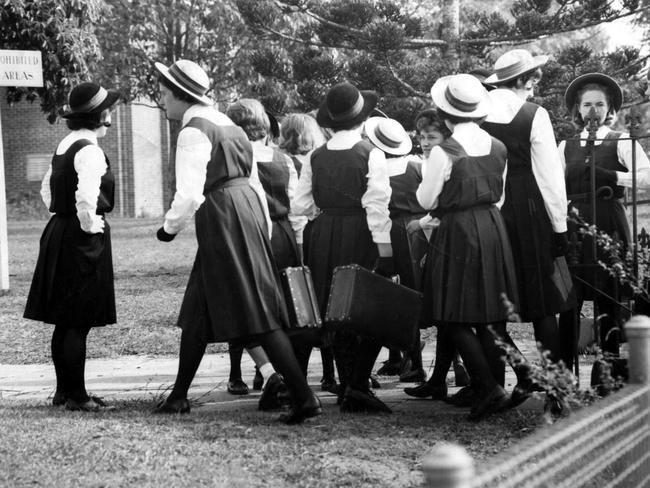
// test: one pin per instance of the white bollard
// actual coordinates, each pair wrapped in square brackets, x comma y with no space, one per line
[448,466]
[637,332]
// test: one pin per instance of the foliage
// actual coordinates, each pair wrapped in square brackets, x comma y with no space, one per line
[63,31]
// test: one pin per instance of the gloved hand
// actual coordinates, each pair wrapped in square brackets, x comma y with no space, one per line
[385,266]
[164,236]
[560,244]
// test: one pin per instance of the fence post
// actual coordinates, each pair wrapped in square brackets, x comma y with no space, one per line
[637,331]
[448,466]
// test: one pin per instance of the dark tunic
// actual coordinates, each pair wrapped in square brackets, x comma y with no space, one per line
[73,280]
[340,234]
[545,286]
[471,262]
[233,290]
[274,176]
[408,249]
[610,212]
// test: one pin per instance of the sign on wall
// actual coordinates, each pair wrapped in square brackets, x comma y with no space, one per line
[21,68]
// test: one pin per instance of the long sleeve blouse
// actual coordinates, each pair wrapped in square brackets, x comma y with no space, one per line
[90,165]
[374,200]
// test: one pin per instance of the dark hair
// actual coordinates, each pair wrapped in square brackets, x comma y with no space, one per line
[177,92]
[576,117]
[431,118]
[455,119]
[524,77]
[85,121]
[348,126]
[249,114]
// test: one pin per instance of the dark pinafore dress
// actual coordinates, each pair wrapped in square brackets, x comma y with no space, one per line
[408,249]
[545,286]
[73,280]
[610,211]
[233,290]
[471,262]
[274,176]
[340,234]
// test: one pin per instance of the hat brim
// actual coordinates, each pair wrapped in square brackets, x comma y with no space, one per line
[164,71]
[401,150]
[494,80]
[323,118]
[112,97]
[571,93]
[439,100]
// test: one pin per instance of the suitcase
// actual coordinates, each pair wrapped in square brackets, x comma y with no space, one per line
[300,297]
[373,306]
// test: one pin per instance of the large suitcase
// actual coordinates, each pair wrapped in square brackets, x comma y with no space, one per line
[301,298]
[373,306]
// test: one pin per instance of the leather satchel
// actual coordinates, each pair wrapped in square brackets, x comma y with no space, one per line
[301,297]
[373,306]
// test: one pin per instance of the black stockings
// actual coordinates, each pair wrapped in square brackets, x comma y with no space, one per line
[189,358]
[473,354]
[235,353]
[69,358]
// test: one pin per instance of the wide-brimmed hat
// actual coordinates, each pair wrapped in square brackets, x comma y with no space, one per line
[89,98]
[514,64]
[461,95]
[482,74]
[608,82]
[345,105]
[189,77]
[388,135]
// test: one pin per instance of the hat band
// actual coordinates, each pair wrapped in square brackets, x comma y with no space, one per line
[93,103]
[459,104]
[519,67]
[384,139]
[349,114]
[185,81]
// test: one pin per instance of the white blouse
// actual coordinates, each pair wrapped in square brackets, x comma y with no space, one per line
[375,199]
[546,165]
[624,151]
[90,165]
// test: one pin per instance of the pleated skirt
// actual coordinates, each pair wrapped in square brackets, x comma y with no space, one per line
[72,284]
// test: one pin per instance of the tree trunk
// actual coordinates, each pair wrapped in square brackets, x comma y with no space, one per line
[450,32]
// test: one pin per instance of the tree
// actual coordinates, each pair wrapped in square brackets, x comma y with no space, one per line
[63,31]
[398,47]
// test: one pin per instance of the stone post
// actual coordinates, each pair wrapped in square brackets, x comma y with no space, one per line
[637,331]
[448,466]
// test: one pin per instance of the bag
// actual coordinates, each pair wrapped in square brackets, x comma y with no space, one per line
[301,297]
[373,306]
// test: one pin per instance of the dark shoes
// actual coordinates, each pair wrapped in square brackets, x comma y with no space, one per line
[58,399]
[182,405]
[93,404]
[413,376]
[427,390]
[270,400]
[365,401]
[299,413]
[460,374]
[390,368]
[258,380]
[495,401]
[373,382]
[465,397]
[520,393]
[330,385]
[237,387]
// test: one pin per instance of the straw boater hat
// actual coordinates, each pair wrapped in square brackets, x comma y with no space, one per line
[89,98]
[461,95]
[188,77]
[388,135]
[514,64]
[599,78]
[345,105]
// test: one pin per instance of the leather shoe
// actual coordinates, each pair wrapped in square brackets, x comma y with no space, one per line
[258,380]
[237,387]
[413,376]
[465,397]
[390,368]
[182,405]
[373,382]
[88,406]
[495,401]
[299,413]
[269,398]
[58,399]
[356,400]
[460,374]
[427,390]
[329,385]
[519,395]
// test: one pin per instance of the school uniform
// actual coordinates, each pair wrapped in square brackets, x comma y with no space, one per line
[535,203]
[72,285]
[233,290]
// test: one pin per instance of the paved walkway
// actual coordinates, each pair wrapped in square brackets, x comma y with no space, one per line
[149,378]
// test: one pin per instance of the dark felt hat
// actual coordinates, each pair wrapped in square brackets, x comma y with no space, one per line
[599,78]
[345,105]
[90,98]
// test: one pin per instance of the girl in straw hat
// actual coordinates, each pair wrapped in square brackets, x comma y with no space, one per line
[601,93]
[233,291]
[535,207]
[470,262]
[72,286]
[344,188]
